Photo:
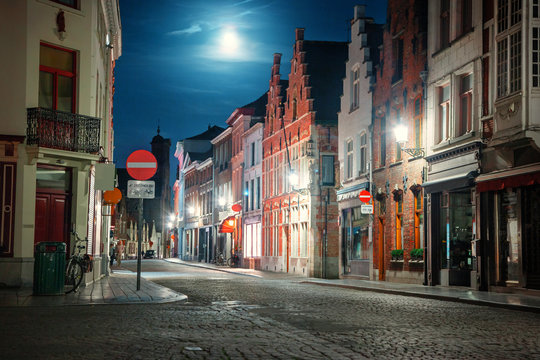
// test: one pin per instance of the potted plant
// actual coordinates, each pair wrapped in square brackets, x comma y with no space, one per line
[417,254]
[397,254]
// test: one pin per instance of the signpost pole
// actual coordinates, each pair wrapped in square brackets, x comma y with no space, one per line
[139,243]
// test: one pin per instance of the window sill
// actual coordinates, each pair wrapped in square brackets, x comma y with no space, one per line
[453,141]
[396,261]
[416,261]
[397,163]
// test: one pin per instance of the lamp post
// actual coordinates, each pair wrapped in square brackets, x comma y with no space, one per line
[400,132]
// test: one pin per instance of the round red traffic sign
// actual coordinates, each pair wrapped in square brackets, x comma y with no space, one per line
[364,196]
[141,165]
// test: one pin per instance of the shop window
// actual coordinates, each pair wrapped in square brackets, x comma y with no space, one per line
[456,230]
[399,223]
[56,78]
[360,236]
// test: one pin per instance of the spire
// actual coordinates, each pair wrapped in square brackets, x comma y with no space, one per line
[158,126]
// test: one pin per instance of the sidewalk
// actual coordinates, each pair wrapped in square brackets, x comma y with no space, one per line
[118,288]
[456,294]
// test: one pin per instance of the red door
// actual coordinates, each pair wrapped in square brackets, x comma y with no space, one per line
[51,218]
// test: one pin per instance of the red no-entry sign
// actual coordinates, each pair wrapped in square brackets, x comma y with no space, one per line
[141,165]
[364,196]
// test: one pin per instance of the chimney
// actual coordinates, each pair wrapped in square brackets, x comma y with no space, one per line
[299,33]
[359,11]
[277,58]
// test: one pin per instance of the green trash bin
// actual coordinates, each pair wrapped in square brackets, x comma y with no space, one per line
[49,268]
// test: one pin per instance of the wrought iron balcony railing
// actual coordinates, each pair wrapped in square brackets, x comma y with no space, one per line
[62,130]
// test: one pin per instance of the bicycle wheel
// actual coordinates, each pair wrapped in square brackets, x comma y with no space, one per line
[74,274]
[229,262]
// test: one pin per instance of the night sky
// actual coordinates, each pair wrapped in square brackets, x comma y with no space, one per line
[191,63]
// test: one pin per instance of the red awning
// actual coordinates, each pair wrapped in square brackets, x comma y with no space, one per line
[227,225]
[509,182]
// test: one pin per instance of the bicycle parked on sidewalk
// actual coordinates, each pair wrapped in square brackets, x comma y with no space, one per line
[220,260]
[77,265]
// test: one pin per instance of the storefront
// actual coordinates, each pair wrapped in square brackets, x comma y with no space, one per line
[511,227]
[355,233]
[451,217]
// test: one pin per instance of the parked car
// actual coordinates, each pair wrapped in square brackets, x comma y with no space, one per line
[150,254]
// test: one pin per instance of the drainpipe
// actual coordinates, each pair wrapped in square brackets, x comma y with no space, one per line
[424,77]
[370,187]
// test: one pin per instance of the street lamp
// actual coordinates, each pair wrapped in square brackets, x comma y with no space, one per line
[400,132]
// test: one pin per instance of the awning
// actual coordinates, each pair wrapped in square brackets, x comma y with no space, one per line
[351,192]
[450,183]
[499,180]
[227,225]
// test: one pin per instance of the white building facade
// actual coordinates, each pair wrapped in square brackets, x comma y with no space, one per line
[354,120]
[56,128]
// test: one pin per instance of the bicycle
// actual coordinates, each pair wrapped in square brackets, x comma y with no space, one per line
[77,265]
[220,260]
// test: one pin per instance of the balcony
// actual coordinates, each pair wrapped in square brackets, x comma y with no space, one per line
[62,130]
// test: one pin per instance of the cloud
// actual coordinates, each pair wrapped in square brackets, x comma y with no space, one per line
[195,28]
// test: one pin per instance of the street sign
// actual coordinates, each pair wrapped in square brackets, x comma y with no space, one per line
[141,165]
[366,209]
[141,189]
[364,196]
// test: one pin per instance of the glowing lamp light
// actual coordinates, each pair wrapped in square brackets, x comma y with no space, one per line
[170,224]
[172,217]
[400,132]
[221,201]
[293,178]
[230,222]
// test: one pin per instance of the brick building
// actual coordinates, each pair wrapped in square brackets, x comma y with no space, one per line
[300,227]
[240,122]
[397,176]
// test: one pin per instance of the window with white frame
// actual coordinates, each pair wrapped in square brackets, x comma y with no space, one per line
[465,105]
[350,156]
[509,14]
[363,154]
[536,56]
[444,112]
[355,90]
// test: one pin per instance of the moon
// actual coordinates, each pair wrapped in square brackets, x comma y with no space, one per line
[229,41]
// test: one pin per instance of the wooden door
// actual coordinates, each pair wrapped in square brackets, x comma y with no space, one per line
[51,221]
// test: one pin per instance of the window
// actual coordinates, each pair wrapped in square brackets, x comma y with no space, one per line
[465,105]
[444,31]
[382,147]
[444,110]
[399,219]
[258,193]
[252,195]
[294,107]
[56,78]
[363,153]
[355,100]
[418,123]
[508,47]
[327,170]
[418,220]
[252,154]
[535,8]
[71,3]
[536,56]
[398,145]
[397,49]
[349,159]
[465,9]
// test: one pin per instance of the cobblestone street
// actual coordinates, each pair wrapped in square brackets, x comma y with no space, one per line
[230,316]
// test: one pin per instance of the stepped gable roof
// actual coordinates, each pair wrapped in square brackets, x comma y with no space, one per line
[209,134]
[326,69]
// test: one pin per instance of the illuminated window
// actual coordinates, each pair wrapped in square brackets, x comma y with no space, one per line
[399,223]
[56,78]
[444,113]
